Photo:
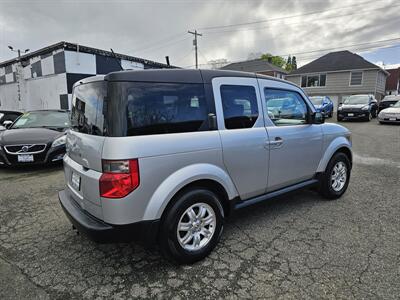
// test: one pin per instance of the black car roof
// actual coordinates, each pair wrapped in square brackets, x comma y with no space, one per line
[178,76]
[10,112]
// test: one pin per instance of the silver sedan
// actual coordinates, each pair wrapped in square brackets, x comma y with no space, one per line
[390,115]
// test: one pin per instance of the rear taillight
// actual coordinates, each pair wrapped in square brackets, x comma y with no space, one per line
[119,178]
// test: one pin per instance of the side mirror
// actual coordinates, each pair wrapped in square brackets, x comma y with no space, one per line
[7,124]
[212,121]
[318,118]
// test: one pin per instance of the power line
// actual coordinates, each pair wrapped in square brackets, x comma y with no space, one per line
[153,49]
[285,17]
[157,43]
[301,22]
[372,47]
[345,46]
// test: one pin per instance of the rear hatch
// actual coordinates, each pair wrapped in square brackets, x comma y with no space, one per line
[82,164]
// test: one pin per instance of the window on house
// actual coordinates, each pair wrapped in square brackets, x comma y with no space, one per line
[322,79]
[313,80]
[303,81]
[355,78]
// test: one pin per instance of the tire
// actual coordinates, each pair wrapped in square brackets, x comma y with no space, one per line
[172,242]
[326,183]
[340,119]
[369,117]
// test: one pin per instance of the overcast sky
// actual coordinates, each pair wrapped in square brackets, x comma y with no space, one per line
[153,29]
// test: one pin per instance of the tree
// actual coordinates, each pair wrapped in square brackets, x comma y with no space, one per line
[294,63]
[289,66]
[275,60]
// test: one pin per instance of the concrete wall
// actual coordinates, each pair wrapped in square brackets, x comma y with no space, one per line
[8,97]
[44,92]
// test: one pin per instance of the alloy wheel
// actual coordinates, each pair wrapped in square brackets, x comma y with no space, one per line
[338,176]
[196,227]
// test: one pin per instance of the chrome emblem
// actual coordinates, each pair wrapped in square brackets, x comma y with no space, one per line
[25,149]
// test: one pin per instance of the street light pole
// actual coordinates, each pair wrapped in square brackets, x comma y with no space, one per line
[18,77]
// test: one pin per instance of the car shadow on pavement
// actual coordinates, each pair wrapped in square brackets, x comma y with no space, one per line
[31,168]
[146,257]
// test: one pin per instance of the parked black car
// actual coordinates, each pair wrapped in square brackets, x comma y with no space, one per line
[7,117]
[363,107]
[388,101]
[36,137]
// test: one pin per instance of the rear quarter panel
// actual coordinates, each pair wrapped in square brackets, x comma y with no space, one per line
[166,163]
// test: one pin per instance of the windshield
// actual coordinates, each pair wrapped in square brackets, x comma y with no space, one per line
[357,99]
[317,100]
[46,119]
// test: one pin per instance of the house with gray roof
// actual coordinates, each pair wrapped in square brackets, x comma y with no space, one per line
[340,74]
[260,66]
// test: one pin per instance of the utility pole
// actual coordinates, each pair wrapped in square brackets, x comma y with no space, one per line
[195,33]
[18,71]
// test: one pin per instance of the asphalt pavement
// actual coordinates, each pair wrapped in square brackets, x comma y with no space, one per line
[295,247]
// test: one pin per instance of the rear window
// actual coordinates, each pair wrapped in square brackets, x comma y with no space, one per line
[145,108]
[88,103]
[139,108]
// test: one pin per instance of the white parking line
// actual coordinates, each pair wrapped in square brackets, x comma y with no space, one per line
[369,160]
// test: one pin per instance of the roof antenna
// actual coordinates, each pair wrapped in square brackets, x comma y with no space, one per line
[119,63]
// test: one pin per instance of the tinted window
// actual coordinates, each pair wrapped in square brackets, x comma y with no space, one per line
[159,108]
[285,107]
[88,103]
[239,104]
[8,117]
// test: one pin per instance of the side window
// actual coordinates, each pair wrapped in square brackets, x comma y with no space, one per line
[285,107]
[161,108]
[239,103]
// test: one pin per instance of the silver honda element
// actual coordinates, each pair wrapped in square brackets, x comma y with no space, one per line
[168,155]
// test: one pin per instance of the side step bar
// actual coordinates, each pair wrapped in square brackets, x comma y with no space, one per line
[274,194]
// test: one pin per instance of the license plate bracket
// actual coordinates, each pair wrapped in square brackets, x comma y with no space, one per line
[350,114]
[25,158]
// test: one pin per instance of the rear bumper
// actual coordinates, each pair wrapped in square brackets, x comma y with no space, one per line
[99,231]
[386,120]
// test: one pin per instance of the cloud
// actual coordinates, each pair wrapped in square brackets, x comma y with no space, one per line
[154,29]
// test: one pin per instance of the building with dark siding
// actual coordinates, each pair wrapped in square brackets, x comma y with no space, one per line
[43,79]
